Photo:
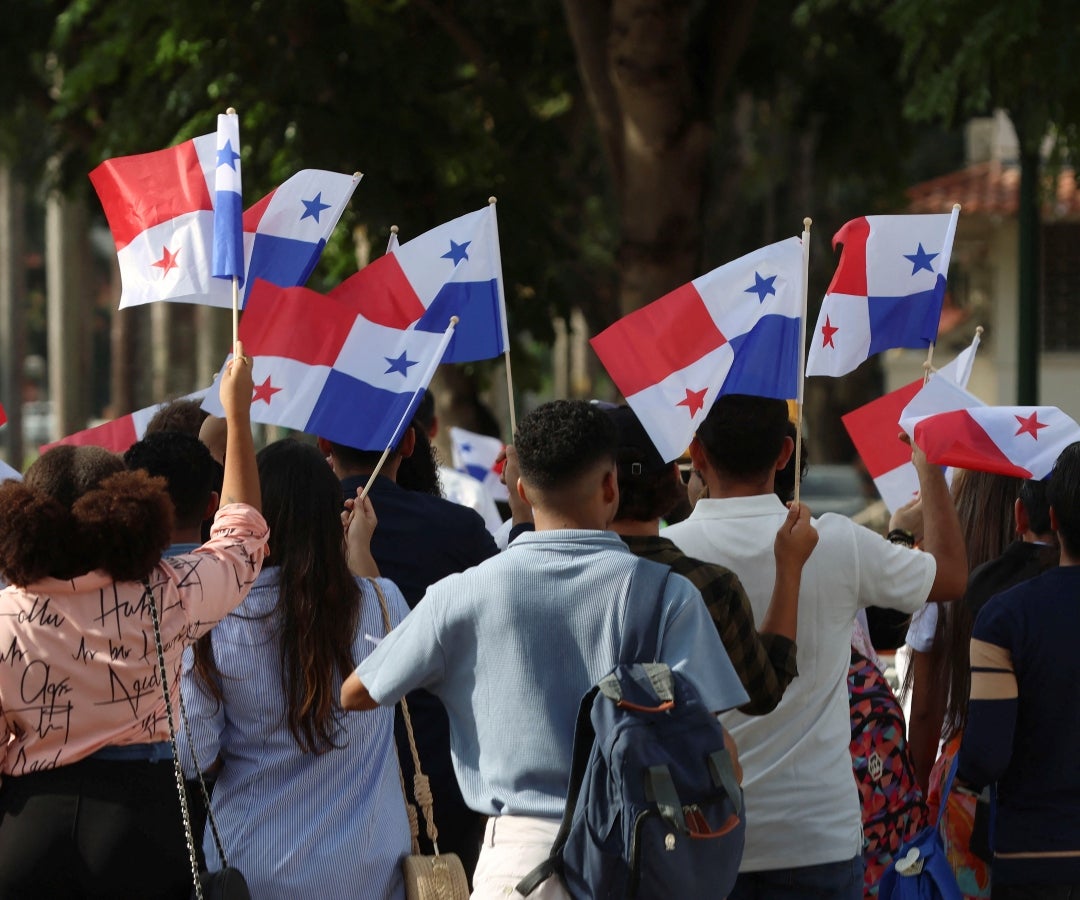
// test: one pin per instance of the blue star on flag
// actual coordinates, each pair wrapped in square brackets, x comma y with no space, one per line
[456,252]
[226,156]
[400,365]
[313,207]
[762,287]
[920,260]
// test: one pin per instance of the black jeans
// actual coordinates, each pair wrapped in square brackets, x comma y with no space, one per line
[1035,892]
[94,828]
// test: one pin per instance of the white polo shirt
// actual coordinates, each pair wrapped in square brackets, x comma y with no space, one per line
[802,805]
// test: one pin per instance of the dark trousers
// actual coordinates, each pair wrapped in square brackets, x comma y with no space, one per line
[829,881]
[94,828]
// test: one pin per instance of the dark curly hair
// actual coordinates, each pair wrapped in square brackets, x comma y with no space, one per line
[561,440]
[743,435]
[181,415]
[78,510]
[186,465]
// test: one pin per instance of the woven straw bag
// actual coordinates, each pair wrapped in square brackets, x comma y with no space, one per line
[437,877]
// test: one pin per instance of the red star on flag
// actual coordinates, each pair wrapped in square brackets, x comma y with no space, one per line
[1030,425]
[167,261]
[694,400]
[264,391]
[827,332]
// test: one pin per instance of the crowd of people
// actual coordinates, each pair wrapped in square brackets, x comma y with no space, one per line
[296,610]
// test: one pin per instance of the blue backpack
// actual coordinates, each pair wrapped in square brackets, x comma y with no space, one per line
[653,809]
[921,869]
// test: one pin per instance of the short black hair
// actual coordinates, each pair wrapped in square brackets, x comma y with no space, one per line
[561,440]
[1063,495]
[186,465]
[178,415]
[743,435]
[354,458]
[1033,496]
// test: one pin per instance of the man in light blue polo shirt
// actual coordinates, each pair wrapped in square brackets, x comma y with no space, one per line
[511,645]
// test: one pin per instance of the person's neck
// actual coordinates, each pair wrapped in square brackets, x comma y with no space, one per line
[191,535]
[634,528]
[723,487]
[389,470]
[555,520]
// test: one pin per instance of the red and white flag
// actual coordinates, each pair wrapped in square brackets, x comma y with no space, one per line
[1019,441]
[118,434]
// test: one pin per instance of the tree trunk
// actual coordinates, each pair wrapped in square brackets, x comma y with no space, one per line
[12,310]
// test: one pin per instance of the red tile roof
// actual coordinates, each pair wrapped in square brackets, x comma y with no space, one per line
[990,189]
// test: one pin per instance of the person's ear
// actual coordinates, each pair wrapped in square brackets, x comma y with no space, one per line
[212,506]
[324,447]
[1054,524]
[609,485]
[785,453]
[697,455]
[1020,516]
[407,444]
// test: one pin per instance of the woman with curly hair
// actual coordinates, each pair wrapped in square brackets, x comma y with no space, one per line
[88,799]
[308,800]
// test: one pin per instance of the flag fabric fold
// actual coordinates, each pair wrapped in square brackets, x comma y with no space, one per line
[160,210]
[734,330]
[228,256]
[118,434]
[875,427]
[321,368]
[1018,441]
[886,292]
[476,455]
[452,270]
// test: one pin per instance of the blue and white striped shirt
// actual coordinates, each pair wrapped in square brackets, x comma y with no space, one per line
[297,824]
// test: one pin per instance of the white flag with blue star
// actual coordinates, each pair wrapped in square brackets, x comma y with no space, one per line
[228,259]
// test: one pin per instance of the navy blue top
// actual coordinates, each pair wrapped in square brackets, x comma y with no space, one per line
[420,538]
[1029,742]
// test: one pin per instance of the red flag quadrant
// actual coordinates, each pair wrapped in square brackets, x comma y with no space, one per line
[160,209]
[734,330]
[874,430]
[117,434]
[452,270]
[321,368]
[887,290]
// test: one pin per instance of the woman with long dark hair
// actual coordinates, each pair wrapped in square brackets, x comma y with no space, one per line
[308,799]
[88,800]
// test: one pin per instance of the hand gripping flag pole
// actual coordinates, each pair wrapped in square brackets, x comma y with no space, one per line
[807,222]
[436,358]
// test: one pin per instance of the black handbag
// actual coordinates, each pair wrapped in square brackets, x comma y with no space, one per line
[227,883]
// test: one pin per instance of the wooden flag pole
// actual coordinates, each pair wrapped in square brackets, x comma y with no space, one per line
[807,222]
[506,352]
[946,255]
[399,430]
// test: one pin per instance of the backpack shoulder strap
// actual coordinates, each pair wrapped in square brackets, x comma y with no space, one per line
[641,622]
[641,634]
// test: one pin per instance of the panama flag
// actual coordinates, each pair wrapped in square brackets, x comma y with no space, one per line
[874,428]
[452,270]
[228,205]
[1019,441]
[118,434]
[477,455]
[732,331]
[160,210]
[321,368]
[887,290]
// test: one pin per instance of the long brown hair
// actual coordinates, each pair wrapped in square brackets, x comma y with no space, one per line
[318,598]
[984,505]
